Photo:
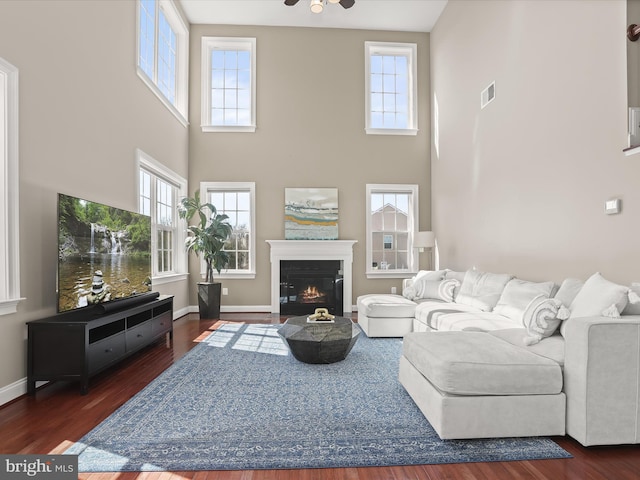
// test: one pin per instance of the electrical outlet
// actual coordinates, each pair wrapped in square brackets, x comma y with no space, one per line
[225,291]
[393,290]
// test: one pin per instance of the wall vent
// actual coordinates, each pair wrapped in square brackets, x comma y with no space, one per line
[487,95]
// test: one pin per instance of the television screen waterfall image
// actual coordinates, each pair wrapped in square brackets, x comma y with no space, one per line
[104,253]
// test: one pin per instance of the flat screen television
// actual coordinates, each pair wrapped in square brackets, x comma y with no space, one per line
[104,254]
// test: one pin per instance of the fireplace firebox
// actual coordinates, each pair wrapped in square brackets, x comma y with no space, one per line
[309,284]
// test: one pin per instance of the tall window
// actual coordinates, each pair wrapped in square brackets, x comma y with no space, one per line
[9,229]
[159,192]
[391,88]
[237,200]
[228,84]
[392,219]
[163,42]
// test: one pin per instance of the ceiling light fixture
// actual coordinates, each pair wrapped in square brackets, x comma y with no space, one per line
[317,6]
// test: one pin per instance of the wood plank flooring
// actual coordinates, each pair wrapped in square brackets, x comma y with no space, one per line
[58,416]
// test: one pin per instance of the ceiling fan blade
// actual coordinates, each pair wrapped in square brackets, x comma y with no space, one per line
[347,3]
[290,3]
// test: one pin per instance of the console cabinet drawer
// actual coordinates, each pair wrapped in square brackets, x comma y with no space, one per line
[138,336]
[161,324]
[106,351]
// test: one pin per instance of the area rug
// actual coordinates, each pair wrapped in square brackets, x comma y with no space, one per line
[240,401]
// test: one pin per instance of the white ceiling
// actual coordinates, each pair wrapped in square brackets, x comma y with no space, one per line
[398,15]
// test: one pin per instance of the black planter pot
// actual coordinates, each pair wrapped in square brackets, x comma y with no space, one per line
[209,300]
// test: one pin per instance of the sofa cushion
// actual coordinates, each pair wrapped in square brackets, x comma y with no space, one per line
[472,322]
[482,290]
[518,294]
[551,347]
[428,312]
[385,305]
[633,308]
[475,363]
[598,297]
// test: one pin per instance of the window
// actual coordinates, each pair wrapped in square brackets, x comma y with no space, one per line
[159,192]
[9,230]
[391,88]
[228,84]
[163,43]
[237,200]
[392,213]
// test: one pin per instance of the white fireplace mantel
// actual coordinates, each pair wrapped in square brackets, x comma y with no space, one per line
[312,250]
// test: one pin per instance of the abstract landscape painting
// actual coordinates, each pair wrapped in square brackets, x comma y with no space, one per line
[311,214]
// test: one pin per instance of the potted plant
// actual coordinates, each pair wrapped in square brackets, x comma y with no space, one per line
[206,239]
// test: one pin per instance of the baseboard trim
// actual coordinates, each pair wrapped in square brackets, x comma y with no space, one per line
[13,391]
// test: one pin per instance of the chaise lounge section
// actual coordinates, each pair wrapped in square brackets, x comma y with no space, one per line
[506,357]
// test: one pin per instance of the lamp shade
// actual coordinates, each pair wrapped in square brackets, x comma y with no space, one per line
[424,240]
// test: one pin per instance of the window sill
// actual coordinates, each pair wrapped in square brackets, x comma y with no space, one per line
[7,307]
[152,86]
[232,275]
[391,131]
[632,150]
[228,129]
[170,278]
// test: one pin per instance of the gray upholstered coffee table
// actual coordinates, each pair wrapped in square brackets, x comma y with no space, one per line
[319,342]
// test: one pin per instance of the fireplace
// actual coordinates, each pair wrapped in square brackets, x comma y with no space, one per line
[338,250]
[309,284]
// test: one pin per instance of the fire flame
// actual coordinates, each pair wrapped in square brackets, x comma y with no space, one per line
[311,294]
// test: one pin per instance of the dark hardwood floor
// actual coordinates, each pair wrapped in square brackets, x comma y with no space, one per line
[58,416]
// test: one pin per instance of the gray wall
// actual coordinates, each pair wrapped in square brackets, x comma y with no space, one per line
[310,133]
[83,112]
[520,186]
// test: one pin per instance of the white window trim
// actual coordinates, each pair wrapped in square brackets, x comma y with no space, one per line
[385,48]
[209,44]
[412,227]
[9,216]
[236,186]
[181,108]
[148,163]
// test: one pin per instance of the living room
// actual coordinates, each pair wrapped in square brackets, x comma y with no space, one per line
[516,187]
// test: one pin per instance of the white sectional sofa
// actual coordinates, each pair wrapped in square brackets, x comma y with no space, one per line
[490,355]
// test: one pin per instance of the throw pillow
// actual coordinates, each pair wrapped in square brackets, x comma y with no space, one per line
[632,308]
[482,290]
[568,290]
[438,290]
[517,296]
[542,317]
[598,297]
[416,284]
[459,276]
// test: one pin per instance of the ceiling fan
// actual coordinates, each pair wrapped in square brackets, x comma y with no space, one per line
[317,5]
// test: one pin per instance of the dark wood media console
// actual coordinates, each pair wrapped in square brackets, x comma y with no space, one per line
[77,345]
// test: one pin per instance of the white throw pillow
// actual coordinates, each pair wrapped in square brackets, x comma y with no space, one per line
[438,290]
[632,308]
[517,296]
[416,286]
[598,297]
[542,317]
[482,290]
[568,290]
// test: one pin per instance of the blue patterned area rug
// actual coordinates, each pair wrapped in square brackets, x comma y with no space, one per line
[240,401]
